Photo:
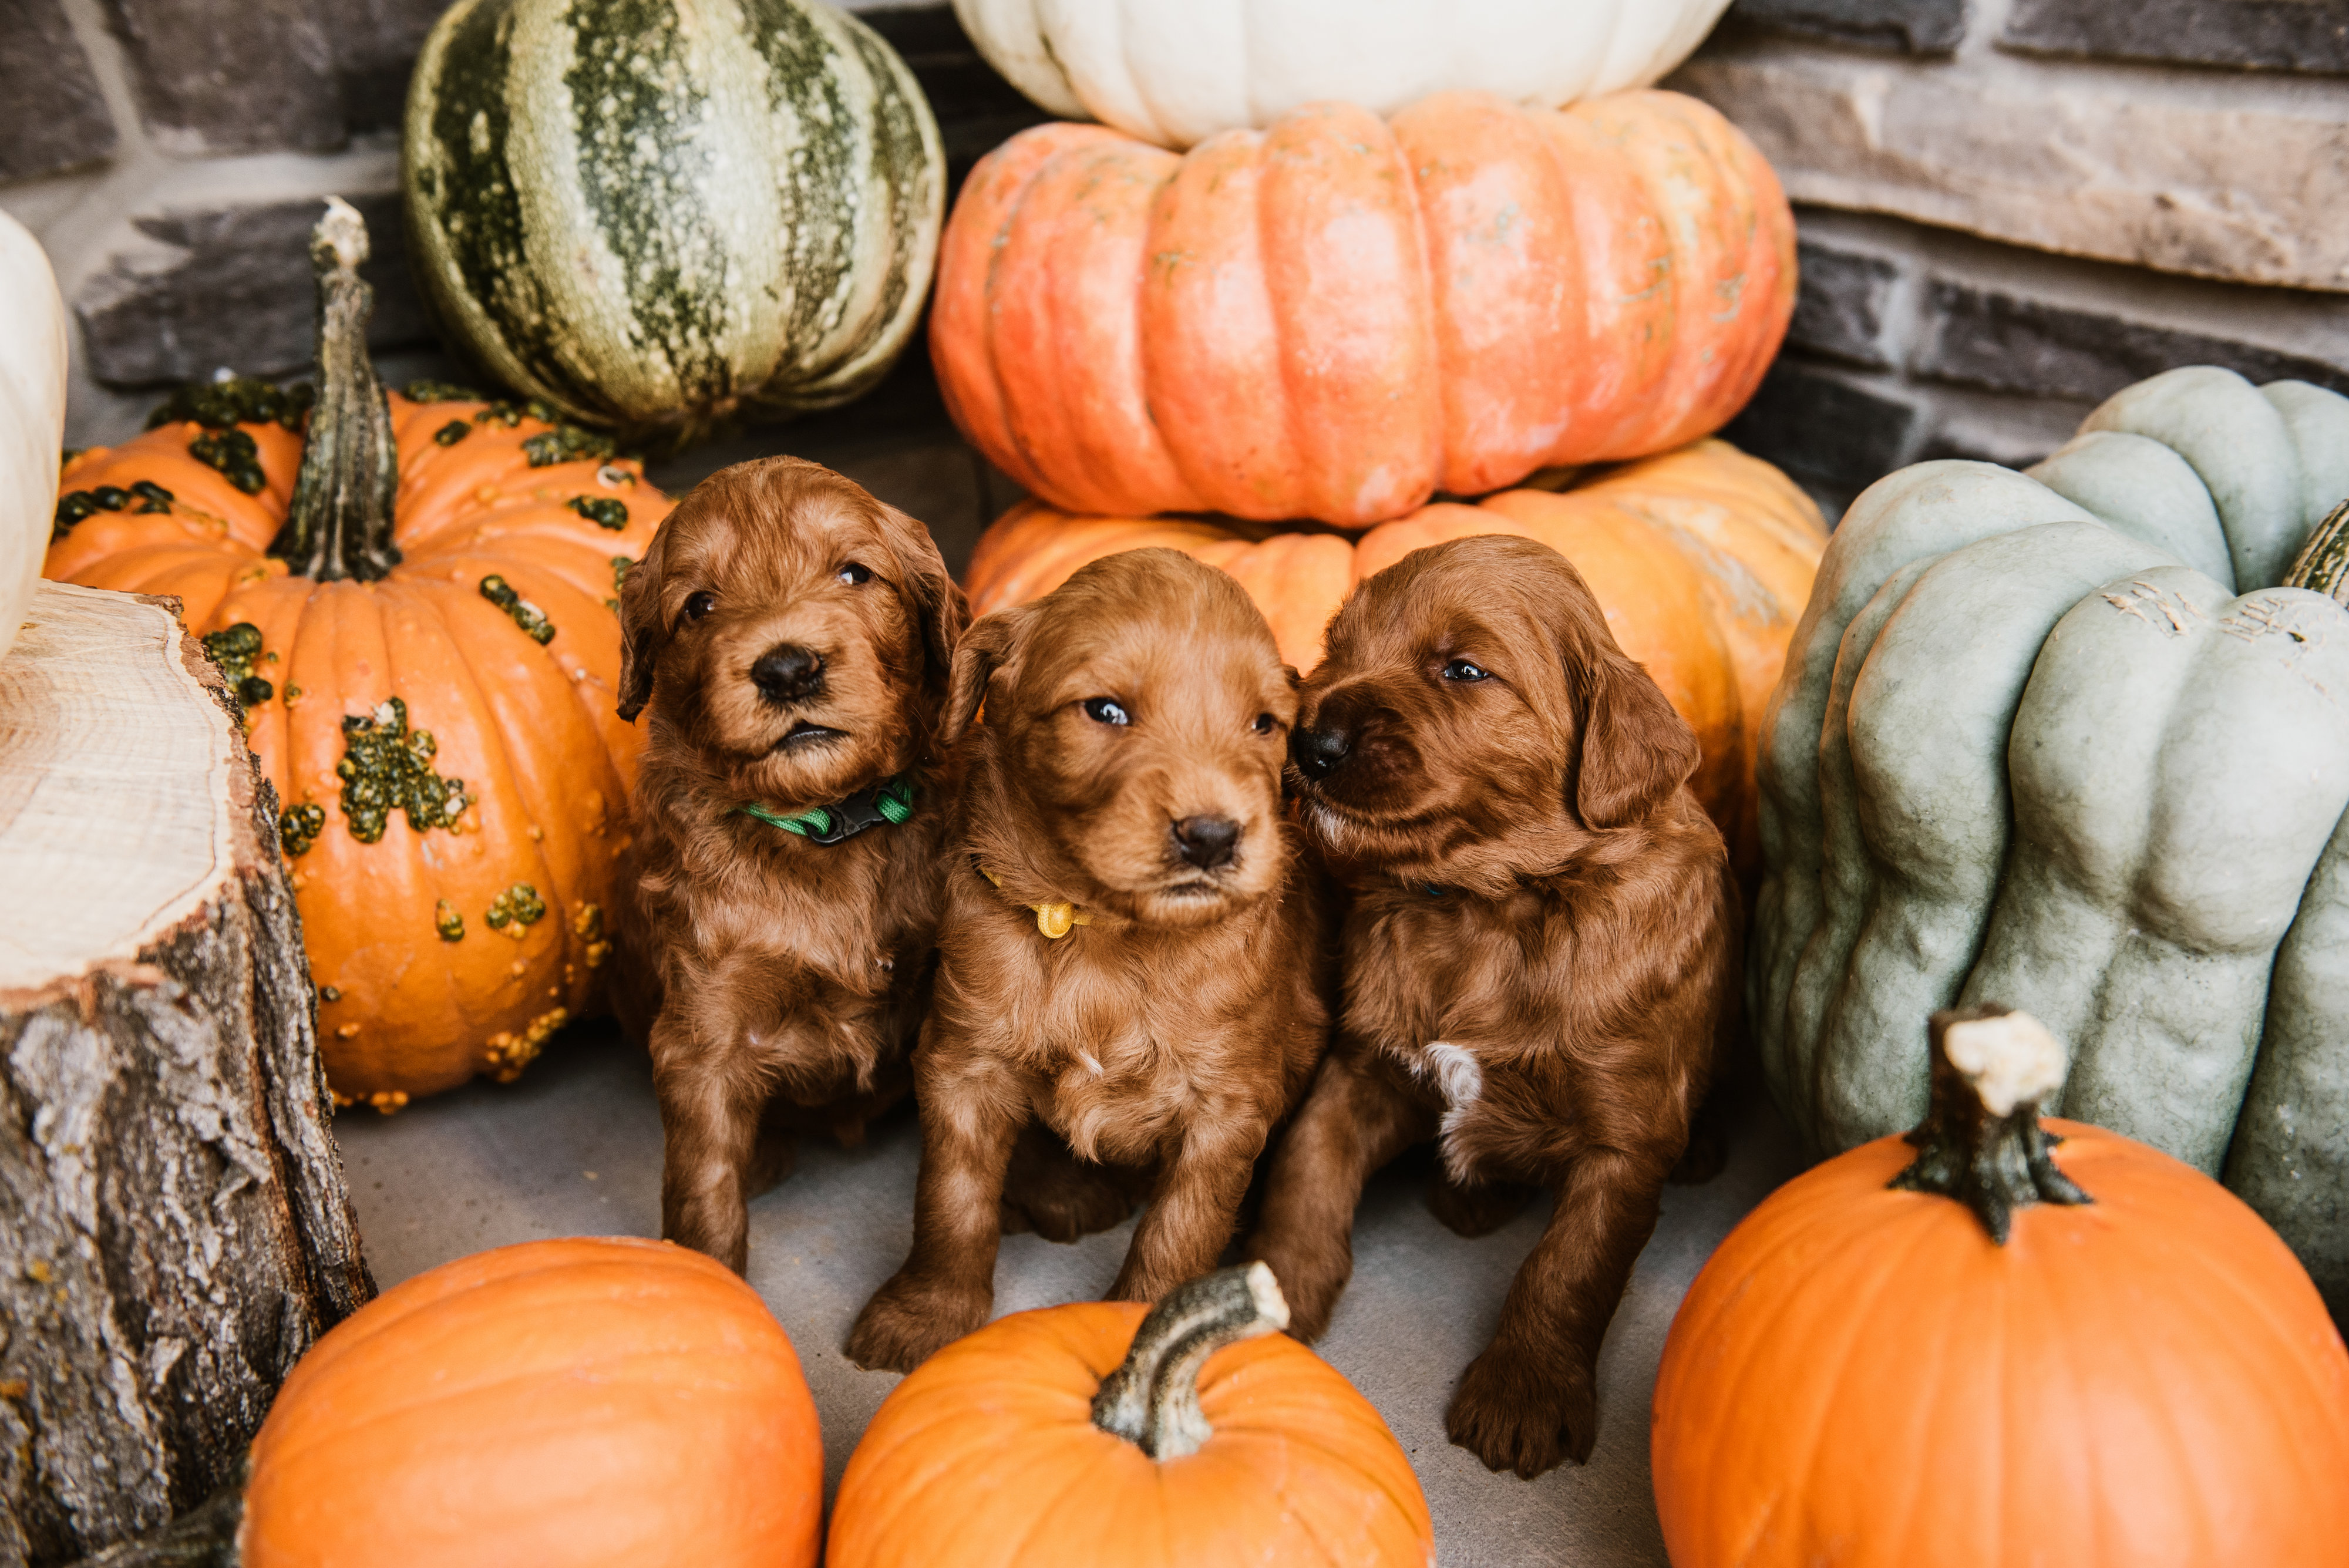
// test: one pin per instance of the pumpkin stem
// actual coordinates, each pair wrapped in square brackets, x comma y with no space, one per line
[2322,566]
[1980,1141]
[341,522]
[202,1538]
[1153,1399]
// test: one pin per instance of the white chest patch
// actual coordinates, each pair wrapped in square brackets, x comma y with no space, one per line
[1461,1081]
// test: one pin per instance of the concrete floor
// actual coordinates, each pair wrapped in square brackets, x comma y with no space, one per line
[575,1148]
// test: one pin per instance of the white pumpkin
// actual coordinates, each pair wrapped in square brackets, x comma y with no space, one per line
[1177,71]
[32,417]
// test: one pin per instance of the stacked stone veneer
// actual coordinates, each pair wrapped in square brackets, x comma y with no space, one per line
[2011,209]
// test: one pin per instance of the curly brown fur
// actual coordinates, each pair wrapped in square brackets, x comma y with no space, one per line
[1538,957]
[1170,1034]
[778,982]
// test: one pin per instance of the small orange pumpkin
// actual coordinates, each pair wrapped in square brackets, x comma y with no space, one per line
[1702,559]
[568,1404]
[429,680]
[2094,1355]
[1110,1435]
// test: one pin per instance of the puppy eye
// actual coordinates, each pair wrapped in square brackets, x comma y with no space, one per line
[1263,724]
[854,573]
[1461,669]
[699,605]
[1105,710]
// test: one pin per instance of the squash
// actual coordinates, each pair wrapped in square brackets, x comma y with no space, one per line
[566,1404]
[32,417]
[1701,558]
[417,605]
[1175,73]
[2002,1340]
[2059,739]
[652,217]
[1114,1436]
[1337,317]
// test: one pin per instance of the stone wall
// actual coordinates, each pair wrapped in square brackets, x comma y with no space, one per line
[2012,208]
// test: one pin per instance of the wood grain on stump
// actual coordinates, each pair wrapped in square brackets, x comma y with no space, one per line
[174,1231]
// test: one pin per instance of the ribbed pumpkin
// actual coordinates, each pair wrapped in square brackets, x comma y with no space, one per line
[429,682]
[1111,1436]
[32,416]
[1337,317]
[2000,1340]
[593,1403]
[1702,557]
[1177,71]
[650,216]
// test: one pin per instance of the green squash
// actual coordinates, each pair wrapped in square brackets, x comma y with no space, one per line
[651,213]
[2059,740]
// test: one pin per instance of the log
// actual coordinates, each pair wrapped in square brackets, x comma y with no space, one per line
[174,1231]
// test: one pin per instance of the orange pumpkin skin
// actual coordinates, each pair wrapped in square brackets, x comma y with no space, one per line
[1702,559]
[530,728]
[569,1404]
[988,1456]
[1860,1378]
[1337,317]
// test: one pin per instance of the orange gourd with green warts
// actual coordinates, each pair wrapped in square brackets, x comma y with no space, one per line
[415,600]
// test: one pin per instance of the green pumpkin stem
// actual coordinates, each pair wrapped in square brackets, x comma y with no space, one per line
[2324,563]
[1980,1141]
[341,522]
[1153,1397]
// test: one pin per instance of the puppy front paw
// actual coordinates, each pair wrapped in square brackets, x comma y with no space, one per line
[1477,1211]
[908,1319]
[1311,1279]
[1515,1415]
[1064,1202]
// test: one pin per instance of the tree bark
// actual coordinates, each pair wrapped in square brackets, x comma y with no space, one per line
[174,1231]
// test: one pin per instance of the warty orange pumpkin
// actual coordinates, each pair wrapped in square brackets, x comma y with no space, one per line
[416,600]
[1339,316]
[1702,559]
[1114,1436]
[1996,1339]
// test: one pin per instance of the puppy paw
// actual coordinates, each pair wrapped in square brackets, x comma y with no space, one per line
[772,1159]
[1064,1201]
[1477,1211]
[908,1321]
[1515,1415]
[1310,1286]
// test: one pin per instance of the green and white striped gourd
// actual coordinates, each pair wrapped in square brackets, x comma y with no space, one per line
[2064,741]
[651,213]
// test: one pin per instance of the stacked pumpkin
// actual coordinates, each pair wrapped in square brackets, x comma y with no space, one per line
[1255,349]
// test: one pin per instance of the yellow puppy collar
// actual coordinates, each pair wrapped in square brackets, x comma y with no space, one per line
[1055,921]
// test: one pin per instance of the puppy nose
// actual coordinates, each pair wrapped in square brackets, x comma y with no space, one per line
[787,671]
[1317,752]
[1205,841]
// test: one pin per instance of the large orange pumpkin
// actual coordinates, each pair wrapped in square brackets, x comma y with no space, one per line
[431,686]
[1337,317]
[1114,1436]
[1702,559]
[2000,1340]
[560,1404]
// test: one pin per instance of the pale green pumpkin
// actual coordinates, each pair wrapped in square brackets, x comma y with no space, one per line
[2059,740]
[653,213]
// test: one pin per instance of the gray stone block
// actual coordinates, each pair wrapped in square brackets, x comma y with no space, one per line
[252,77]
[376,43]
[1903,26]
[52,116]
[2269,34]
[241,296]
[1825,429]
[1984,337]
[1840,307]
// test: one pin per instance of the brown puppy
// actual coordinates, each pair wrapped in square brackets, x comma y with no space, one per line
[794,637]
[1132,951]
[1538,957]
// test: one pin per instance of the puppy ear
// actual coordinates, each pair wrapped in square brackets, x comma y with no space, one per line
[641,634]
[935,600]
[1296,681]
[992,643]
[1636,750]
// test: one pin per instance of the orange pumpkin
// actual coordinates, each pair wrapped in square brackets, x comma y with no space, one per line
[434,702]
[1702,559]
[1339,315]
[2095,1356]
[562,1403]
[1103,1435]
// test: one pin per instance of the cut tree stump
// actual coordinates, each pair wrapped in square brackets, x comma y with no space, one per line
[174,1231]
